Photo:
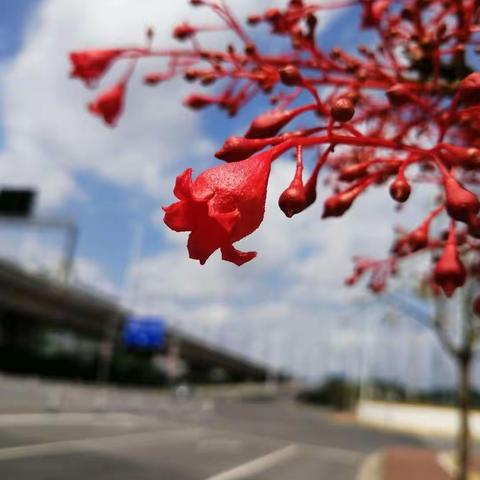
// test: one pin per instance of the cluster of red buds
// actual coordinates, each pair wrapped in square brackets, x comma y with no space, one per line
[405,111]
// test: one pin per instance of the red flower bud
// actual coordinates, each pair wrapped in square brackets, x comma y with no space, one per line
[373,12]
[293,199]
[474,227]
[351,280]
[418,239]
[400,189]
[353,172]
[469,89]
[197,101]
[291,76]
[270,123]
[461,204]
[153,78]
[379,7]
[342,110]
[191,74]
[398,95]
[90,65]
[250,49]
[272,14]
[240,148]
[450,273]
[468,158]
[337,205]
[221,206]
[254,19]
[109,104]
[184,31]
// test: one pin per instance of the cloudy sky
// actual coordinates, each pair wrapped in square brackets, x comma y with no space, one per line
[288,306]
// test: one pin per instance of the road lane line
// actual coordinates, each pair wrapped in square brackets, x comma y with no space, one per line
[259,465]
[130,440]
[72,419]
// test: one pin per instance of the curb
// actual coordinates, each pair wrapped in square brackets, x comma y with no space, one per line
[371,468]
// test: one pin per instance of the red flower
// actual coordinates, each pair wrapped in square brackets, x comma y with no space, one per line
[223,205]
[90,65]
[109,104]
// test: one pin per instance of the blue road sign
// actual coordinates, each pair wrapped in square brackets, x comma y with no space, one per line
[144,333]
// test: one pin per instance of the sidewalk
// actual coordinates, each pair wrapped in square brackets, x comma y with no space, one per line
[412,463]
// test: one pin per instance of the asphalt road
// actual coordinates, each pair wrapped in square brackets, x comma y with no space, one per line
[213,439]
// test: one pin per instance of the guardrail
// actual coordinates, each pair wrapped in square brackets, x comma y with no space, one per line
[428,420]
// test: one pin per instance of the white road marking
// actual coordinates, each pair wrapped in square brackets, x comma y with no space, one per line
[73,419]
[206,440]
[259,464]
[335,454]
[130,440]
[371,467]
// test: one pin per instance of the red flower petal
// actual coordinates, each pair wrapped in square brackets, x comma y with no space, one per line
[183,185]
[179,217]
[231,254]
[203,241]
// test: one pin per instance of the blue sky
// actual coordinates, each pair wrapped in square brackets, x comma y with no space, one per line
[113,182]
[14,17]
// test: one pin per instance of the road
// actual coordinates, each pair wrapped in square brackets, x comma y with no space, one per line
[199,439]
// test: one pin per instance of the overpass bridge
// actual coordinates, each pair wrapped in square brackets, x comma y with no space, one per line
[31,303]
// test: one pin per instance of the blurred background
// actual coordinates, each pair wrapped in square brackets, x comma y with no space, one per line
[102,312]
